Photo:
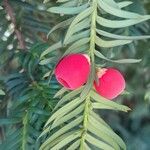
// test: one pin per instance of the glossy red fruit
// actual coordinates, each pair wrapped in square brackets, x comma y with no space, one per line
[111,83]
[73,70]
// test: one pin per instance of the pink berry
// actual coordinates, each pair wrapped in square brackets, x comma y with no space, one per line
[111,83]
[73,70]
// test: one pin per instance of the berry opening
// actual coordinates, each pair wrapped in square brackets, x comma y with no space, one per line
[63,82]
[73,70]
[112,83]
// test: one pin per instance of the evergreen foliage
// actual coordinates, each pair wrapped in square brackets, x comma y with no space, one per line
[35,111]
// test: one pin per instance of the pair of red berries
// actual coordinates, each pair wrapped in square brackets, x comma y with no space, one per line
[73,71]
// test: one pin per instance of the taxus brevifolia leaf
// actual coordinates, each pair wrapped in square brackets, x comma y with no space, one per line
[88,27]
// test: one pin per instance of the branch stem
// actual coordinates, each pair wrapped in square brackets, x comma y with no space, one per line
[92,75]
[10,12]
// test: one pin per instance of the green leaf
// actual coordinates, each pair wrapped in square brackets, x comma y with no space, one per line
[102,128]
[120,23]
[117,12]
[84,24]
[121,37]
[77,19]
[76,45]
[121,61]
[98,143]
[113,43]
[68,96]
[61,25]
[106,138]
[75,145]
[67,117]
[104,103]
[66,141]
[112,3]
[64,110]
[64,129]
[73,3]
[89,83]
[99,119]
[86,146]
[78,36]
[124,4]
[60,92]
[68,10]
[1,7]
[47,61]
[60,138]
[2,92]
[52,48]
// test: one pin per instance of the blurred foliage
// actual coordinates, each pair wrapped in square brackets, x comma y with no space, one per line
[26,97]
